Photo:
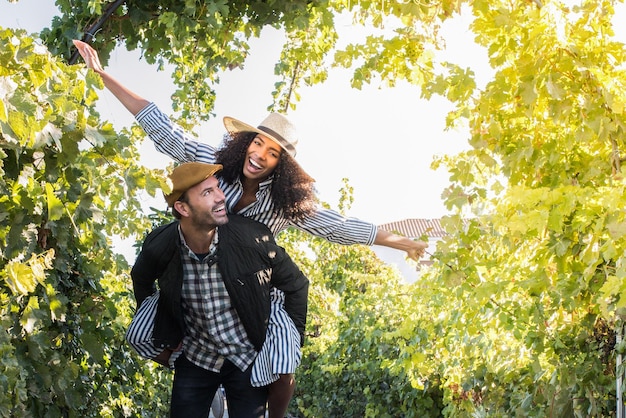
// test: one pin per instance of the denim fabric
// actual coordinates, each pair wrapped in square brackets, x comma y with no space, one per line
[194,389]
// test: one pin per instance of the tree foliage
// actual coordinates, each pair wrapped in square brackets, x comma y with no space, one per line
[542,256]
[520,313]
[201,39]
[357,307]
[69,184]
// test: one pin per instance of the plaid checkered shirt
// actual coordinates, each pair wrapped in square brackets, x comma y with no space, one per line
[213,329]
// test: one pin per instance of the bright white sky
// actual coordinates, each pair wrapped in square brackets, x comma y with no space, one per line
[382,139]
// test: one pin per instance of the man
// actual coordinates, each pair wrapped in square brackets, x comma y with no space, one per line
[214,273]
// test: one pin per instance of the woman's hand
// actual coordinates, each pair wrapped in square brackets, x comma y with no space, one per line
[89,55]
[131,101]
[416,250]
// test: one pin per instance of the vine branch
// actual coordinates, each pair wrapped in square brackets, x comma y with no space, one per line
[91,30]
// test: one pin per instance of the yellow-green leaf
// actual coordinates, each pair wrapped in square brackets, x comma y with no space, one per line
[55,206]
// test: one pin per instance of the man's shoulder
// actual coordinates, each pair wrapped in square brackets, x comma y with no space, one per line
[238,221]
[162,235]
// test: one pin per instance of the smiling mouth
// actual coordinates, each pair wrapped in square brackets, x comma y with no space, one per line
[219,209]
[254,164]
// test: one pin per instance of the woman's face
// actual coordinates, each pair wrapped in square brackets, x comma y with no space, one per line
[261,158]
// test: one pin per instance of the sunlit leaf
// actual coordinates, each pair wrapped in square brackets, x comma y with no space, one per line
[55,206]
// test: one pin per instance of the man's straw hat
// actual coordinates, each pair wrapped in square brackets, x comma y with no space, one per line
[187,175]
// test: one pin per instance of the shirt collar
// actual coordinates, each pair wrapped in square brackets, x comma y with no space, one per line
[262,185]
[212,247]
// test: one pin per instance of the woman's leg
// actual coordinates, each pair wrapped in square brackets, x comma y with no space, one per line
[278,359]
[279,395]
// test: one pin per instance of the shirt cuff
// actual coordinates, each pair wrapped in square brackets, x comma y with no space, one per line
[145,111]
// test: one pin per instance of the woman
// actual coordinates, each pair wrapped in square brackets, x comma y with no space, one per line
[262,180]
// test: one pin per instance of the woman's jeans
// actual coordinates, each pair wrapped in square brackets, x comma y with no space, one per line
[194,389]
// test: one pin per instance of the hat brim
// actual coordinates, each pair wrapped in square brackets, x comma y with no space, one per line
[187,175]
[234,126]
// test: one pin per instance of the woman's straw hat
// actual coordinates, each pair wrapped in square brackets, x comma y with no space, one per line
[275,126]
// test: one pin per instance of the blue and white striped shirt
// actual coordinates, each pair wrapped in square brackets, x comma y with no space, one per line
[170,139]
[281,352]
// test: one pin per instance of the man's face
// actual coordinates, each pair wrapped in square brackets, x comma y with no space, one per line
[205,205]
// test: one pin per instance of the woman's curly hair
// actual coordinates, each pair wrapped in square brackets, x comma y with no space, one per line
[293,190]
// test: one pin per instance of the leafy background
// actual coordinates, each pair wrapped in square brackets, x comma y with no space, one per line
[522,313]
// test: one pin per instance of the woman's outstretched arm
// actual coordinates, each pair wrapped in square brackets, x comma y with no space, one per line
[131,101]
[414,249]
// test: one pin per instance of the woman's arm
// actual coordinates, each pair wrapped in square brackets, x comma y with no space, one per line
[337,228]
[414,249]
[169,138]
[131,101]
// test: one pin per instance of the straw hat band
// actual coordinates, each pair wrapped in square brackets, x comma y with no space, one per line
[275,126]
[281,141]
[187,175]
